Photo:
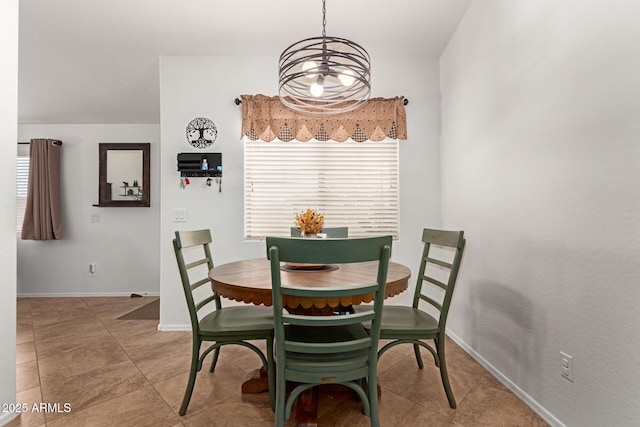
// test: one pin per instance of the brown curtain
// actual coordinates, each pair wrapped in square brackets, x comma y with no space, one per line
[42,216]
[267,118]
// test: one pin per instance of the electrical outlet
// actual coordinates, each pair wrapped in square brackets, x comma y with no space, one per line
[95,218]
[566,366]
[92,269]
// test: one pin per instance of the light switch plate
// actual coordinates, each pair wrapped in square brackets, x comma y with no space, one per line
[180,215]
[566,366]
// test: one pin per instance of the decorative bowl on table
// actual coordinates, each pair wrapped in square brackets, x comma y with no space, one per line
[299,266]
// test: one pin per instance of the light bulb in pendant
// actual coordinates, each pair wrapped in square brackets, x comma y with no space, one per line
[316,89]
[347,77]
[310,69]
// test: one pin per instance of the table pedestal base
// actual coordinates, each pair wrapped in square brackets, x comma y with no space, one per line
[257,382]
[306,408]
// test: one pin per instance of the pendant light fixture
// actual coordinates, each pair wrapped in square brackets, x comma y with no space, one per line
[324,75]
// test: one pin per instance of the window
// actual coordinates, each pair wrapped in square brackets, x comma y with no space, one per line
[22,172]
[354,184]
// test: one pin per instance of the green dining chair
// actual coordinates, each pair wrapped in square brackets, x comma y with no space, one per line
[331,232]
[222,326]
[313,350]
[437,276]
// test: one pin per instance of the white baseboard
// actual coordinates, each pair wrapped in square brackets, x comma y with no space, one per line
[173,328]
[87,294]
[7,416]
[528,400]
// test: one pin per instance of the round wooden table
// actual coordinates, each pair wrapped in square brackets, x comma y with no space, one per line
[249,281]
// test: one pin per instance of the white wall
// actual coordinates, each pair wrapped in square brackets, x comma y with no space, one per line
[193,87]
[8,136]
[124,245]
[541,168]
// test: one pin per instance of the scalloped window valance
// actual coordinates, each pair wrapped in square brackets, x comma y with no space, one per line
[266,118]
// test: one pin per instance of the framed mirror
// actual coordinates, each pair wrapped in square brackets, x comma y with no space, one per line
[124,175]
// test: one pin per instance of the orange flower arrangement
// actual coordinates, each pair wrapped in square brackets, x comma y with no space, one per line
[309,221]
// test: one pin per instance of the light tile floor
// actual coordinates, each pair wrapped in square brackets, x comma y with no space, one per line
[126,373]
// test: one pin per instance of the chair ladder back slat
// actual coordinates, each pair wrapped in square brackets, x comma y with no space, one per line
[335,292]
[326,348]
[194,264]
[199,283]
[431,301]
[435,282]
[440,263]
[205,302]
[328,321]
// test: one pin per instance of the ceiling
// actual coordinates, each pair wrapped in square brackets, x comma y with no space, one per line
[96,61]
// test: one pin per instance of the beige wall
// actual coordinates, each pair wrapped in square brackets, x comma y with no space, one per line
[541,168]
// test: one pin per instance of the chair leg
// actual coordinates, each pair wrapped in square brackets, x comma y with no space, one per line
[214,361]
[374,417]
[195,354]
[281,390]
[271,373]
[443,373]
[416,350]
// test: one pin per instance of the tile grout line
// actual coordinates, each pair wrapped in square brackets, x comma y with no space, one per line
[150,383]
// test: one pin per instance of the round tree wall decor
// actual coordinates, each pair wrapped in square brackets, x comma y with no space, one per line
[201,132]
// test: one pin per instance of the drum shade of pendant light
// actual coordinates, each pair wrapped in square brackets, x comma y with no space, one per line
[324,75]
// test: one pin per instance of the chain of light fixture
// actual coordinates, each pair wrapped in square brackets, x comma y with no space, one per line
[324,75]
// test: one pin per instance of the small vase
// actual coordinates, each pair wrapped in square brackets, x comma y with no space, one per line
[309,235]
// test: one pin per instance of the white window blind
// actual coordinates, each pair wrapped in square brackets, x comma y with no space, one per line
[354,184]
[22,178]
